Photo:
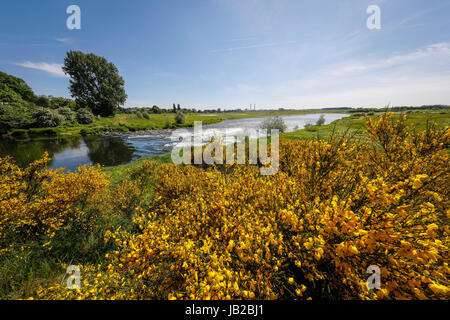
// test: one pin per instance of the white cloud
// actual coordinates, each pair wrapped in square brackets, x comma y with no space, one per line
[243,39]
[64,40]
[254,46]
[54,69]
[435,51]
[419,77]
[372,93]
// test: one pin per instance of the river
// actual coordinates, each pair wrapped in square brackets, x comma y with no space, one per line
[72,152]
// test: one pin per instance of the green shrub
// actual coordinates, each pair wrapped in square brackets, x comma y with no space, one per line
[84,116]
[67,113]
[156,109]
[180,118]
[321,120]
[59,102]
[273,123]
[43,101]
[47,118]
[310,127]
[12,117]
[146,115]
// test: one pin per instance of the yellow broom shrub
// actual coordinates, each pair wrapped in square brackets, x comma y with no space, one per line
[37,203]
[310,231]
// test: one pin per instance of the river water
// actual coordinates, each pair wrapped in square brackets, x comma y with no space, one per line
[72,152]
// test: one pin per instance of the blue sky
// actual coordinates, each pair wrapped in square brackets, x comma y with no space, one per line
[232,53]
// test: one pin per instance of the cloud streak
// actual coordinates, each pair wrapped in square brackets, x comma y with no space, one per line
[434,51]
[54,69]
[243,39]
[418,77]
[274,44]
[64,40]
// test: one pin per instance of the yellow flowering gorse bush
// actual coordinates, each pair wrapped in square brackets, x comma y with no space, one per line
[334,208]
[37,203]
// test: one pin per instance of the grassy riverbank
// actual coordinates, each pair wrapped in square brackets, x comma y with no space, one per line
[355,124]
[131,123]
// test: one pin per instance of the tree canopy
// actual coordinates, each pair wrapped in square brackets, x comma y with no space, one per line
[19,106]
[8,95]
[18,85]
[95,82]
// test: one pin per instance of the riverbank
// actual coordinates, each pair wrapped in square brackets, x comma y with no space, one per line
[116,148]
[130,123]
[354,124]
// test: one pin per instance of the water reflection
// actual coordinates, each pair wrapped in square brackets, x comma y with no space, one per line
[109,151]
[71,152]
[25,152]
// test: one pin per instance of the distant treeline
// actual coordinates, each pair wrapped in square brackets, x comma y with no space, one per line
[400,108]
[157,109]
[175,109]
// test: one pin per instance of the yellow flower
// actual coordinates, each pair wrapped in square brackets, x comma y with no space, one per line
[438,288]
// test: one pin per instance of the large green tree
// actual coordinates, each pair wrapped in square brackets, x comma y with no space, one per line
[18,85]
[95,82]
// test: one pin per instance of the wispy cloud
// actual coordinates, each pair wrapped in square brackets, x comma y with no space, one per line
[419,15]
[435,51]
[243,39]
[274,44]
[64,40]
[54,69]
[418,77]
